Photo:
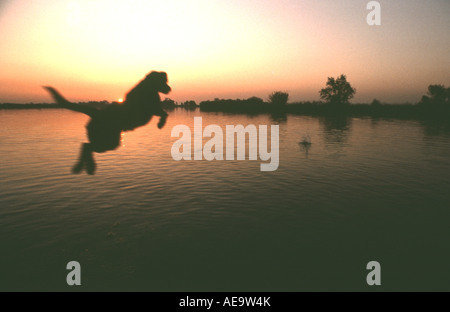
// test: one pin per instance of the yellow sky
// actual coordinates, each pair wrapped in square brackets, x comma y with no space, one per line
[96,50]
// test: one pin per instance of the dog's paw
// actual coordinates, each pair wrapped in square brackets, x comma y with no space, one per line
[90,169]
[77,168]
[90,166]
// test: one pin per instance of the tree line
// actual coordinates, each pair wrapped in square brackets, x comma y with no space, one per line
[335,96]
[335,99]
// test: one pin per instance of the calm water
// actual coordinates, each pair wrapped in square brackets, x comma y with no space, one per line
[364,190]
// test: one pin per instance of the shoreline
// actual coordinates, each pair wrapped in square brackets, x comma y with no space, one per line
[314,109]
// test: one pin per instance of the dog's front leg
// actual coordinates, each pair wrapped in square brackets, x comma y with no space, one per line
[162,120]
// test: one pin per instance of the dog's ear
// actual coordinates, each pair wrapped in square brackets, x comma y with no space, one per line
[159,80]
[157,76]
[163,76]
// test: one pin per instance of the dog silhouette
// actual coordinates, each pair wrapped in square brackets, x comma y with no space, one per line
[106,125]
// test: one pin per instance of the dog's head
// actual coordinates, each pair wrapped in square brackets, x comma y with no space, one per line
[158,80]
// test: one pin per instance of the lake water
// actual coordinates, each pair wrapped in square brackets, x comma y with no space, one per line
[363,190]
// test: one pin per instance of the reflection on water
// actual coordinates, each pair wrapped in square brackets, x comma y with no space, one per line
[278,117]
[436,127]
[335,128]
[360,191]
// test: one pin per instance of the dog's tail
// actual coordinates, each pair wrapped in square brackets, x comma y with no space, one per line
[61,101]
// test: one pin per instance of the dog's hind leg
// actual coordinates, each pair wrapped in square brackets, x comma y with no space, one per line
[88,155]
[85,161]
[80,164]
[61,101]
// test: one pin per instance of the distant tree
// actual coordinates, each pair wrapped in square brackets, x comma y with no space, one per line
[425,100]
[169,100]
[338,91]
[279,98]
[375,102]
[436,95]
[255,100]
[189,104]
[168,103]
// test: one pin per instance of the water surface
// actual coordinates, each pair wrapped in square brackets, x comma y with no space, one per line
[363,190]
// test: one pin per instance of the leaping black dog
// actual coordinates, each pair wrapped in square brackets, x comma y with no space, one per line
[105,127]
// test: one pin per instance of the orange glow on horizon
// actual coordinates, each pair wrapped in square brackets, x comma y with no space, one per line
[98,50]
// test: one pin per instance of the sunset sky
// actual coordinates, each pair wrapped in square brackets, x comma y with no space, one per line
[98,49]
